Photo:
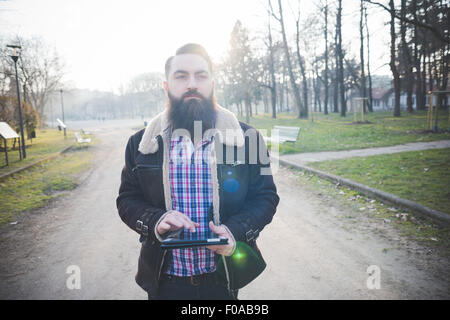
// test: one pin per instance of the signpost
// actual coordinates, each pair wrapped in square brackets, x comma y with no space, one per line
[61,125]
[6,132]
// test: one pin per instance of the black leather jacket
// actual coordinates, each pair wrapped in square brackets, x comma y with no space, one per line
[141,202]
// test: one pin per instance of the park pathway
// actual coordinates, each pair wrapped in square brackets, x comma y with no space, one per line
[303,158]
[311,249]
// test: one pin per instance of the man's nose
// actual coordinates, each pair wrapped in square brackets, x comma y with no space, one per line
[192,83]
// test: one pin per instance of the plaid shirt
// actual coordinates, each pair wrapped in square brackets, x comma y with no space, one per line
[192,194]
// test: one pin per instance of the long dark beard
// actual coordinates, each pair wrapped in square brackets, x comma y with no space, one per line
[183,113]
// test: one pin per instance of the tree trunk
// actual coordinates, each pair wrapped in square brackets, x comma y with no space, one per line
[247,108]
[286,96]
[407,59]
[369,75]
[393,63]
[300,62]
[273,85]
[424,78]
[361,54]
[341,61]
[420,102]
[326,59]
[336,82]
[302,112]
[265,102]
[281,90]
[317,85]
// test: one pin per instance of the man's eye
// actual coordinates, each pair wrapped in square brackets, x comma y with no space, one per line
[180,77]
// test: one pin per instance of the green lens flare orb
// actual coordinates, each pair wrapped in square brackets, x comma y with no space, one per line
[244,265]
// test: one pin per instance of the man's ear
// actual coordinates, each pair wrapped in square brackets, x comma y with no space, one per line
[166,87]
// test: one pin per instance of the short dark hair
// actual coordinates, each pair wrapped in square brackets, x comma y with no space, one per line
[192,48]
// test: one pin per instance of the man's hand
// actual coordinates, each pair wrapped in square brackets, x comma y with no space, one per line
[175,220]
[222,231]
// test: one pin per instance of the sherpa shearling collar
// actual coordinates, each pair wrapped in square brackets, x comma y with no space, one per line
[227,125]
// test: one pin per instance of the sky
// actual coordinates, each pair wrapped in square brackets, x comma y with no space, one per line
[104,43]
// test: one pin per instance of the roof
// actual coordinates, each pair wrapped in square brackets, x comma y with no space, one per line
[379,93]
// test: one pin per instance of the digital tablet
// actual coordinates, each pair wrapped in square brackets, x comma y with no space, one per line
[173,243]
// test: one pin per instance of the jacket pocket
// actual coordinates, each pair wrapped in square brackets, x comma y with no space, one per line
[151,183]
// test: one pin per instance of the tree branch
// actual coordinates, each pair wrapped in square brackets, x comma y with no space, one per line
[435,31]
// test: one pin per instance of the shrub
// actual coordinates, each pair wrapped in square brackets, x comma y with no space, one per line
[9,113]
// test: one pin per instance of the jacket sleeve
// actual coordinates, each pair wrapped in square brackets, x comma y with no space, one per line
[260,205]
[133,209]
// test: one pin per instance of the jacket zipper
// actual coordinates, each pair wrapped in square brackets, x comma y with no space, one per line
[219,178]
[146,167]
[161,265]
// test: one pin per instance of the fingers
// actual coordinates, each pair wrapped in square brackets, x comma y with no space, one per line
[163,227]
[213,248]
[225,249]
[219,230]
[222,231]
[185,221]
[175,220]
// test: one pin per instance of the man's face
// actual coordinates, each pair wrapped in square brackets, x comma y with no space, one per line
[189,88]
[189,73]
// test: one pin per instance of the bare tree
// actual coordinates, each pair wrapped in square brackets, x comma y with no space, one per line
[368,61]
[302,110]
[407,63]
[271,61]
[363,74]
[300,60]
[434,28]
[41,70]
[240,68]
[326,57]
[340,54]
[393,63]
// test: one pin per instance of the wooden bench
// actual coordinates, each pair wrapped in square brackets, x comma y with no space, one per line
[285,134]
[80,139]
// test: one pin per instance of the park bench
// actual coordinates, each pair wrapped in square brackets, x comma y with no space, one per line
[285,134]
[80,139]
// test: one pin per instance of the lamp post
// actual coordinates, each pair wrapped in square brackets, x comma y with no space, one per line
[62,108]
[15,57]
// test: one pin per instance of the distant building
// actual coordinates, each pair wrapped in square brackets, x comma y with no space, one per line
[384,99]
[380,98]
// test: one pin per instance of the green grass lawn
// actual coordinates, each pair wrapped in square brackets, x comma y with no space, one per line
[47,142]
[420,176]
[34,187]
[333,132]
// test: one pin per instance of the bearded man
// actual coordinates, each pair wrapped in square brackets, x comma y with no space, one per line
[213,185]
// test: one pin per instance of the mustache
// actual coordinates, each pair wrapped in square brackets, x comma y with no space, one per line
[192,93]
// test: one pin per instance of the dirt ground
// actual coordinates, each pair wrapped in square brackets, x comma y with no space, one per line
[310,250]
